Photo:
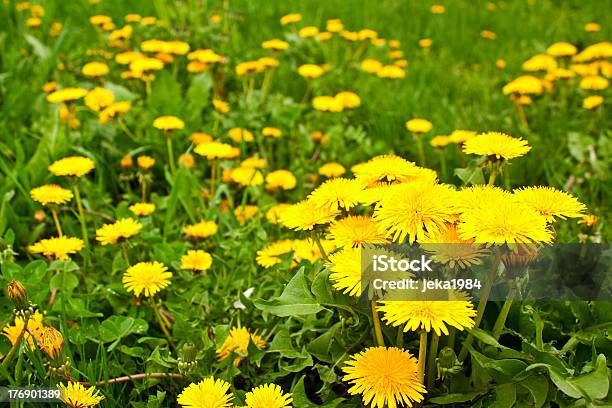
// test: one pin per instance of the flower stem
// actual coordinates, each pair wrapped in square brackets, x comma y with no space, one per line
[213,178]
[482,304]
[422,355]
[503,314]
[162,323]
[421,151]
[77,196]
[56,220]
[431,361]
[170,154]
[380,341]
[317,240]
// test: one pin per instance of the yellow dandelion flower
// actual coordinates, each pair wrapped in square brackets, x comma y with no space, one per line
[76,395]
[561,49]
[592,102]
[345,271]
[245,213]
[95,69]
[280,180]
[202,229]
[247,176]
[200,137]
[327,104]
[145,162]
[417,315]
[290,18]
[337,193]
[539,62]
[502,221]
[99,98]
[334,25]
[391,72]
[275,45]
[310,71]
[386,168]
[594,83]
[216,150]
[220,106]
[237,342]
[526,84]
[306,214]
[419,125]
[271,132]
[208,393]
[409,210]
[446,247]
[76,166]
[371,65]
[273,214]
[589,220]
[196,260]
[58,247]
[35,326]
[439,141]
[384,377]
[51,194]
[461,136]
[51,342]
[356,231]
[308,31]
[592,27]
[268,396]
[122,229]
[269,256]
[475,197]
[349,100]
[496,145]
[114,110]
[168,123]
[239,135]
[146,278]
[66,95]
[550,202]
[142,209]
[331,170]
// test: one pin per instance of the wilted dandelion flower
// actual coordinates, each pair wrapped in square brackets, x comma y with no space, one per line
[168,123]
[345,271]
[550,202]
[409,210]
[99,98]
[66,95]
[592,102]
[502,221]
[237,342]
[385,377]
[76,395]
[430,315]
[331,170]
[142,209]
[356,231]
[58,247]
[337,193]
[76,166]
[51,342]
[419,125]
[268,396]
[51,194]
[202,229]
[280,180]
[306,214]
[196,260]
[146,278]
[122,229]
[496,145]
[208,393]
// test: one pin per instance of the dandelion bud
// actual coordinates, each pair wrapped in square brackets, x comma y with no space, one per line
[51,342]
[40,215]
[448,364]
[518,259]
[17,293]
[187,359]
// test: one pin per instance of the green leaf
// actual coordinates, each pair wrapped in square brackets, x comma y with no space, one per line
[197,97]
[560,379]
[455,398]
[282,344]
[538,387]
[42,51]
[296,299]
[300,399]
[505,396]
[470,175]
[166,96]
[594,385]
[65,281]
[118,327]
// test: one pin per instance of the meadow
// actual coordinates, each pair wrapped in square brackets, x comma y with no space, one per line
[188,190]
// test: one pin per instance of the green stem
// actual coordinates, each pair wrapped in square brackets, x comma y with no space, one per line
[56,220]
[170,154]
[317,240]
[77,196]
[503,314]
[482,304]
[161,322]
[421,151]
[380,341]
[422,355]
[431,361]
